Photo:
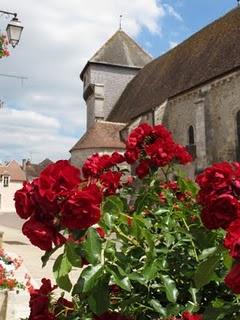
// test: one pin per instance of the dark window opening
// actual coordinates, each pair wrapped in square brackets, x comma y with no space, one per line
[5,181]
[191,135]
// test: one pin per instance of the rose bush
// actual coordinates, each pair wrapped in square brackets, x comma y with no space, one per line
[153,247]
[3,46]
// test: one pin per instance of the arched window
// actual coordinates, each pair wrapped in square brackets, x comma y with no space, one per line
[238,135]
[191,135]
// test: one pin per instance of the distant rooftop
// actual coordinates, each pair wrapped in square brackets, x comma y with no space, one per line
[14,170]
[33,170]
[120,50]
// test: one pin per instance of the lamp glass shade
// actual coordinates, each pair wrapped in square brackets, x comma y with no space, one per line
[14,31]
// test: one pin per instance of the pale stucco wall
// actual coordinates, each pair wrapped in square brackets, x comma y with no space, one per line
[7,203]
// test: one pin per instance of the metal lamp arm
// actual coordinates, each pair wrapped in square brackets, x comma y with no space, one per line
[8,13]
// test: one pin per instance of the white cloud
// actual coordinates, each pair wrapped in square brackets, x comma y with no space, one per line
[173,44]
[172,12]
[30,134]
[47,114]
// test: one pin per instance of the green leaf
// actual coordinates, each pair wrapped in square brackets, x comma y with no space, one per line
[73,257]
[227,260]
[158,307]
[193,292]
[205,270]
[207,252]
[160,211]
[61,269]
[92,247]
[137,277]
[151,269]
[99,298]
[47,255]
[170,288]
[113,205]
[107,220]
[89,277]
[211,313]
[121,280]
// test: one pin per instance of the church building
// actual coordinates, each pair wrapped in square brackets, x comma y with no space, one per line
[105,77]
[193,89]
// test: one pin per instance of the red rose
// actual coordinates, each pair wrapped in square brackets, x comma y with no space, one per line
[65,303]
[232,239]
[39,301]
[182,155]
[117,158]
[101,232]
[232,280]
[220,212]
[23,204]
[189,316]
[48,316]
[217,177]
[131,155]
[138,134]
[96,164]
[161,152]
[110,181]
[58,177]
[162,132]
[82,209]
[39,234]
[142,169]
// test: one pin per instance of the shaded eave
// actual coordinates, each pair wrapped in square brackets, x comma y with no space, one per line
[107,64]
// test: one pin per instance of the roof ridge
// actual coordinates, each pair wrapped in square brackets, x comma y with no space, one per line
[197,32]
[209,53]
[113,52]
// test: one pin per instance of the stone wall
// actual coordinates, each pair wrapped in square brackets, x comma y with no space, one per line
[78,157]
[114,80]
[222,106]
[212,112]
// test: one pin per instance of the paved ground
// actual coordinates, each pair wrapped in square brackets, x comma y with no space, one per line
[14,241]
[11,220]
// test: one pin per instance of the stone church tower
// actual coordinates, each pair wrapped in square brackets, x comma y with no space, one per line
[105,77]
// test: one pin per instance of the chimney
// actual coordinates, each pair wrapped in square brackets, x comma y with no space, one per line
[24,161]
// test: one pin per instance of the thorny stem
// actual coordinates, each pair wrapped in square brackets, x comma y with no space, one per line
[193,245]
[133,241]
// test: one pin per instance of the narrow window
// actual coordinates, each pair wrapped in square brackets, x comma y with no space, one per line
[5,181]
[238,135]
[191,135]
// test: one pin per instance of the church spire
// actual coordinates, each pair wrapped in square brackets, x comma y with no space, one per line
[120,21]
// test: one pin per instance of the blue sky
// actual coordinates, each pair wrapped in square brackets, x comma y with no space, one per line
[47,115]
[195,15]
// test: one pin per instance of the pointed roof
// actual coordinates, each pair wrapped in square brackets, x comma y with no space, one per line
[120,50]
[101,135]
[14,170]
[207,55]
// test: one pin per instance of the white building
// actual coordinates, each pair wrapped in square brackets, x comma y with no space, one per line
[11,180]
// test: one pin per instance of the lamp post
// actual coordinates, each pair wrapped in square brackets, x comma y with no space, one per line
[14,28]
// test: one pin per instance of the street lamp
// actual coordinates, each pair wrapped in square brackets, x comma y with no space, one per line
[14,29]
